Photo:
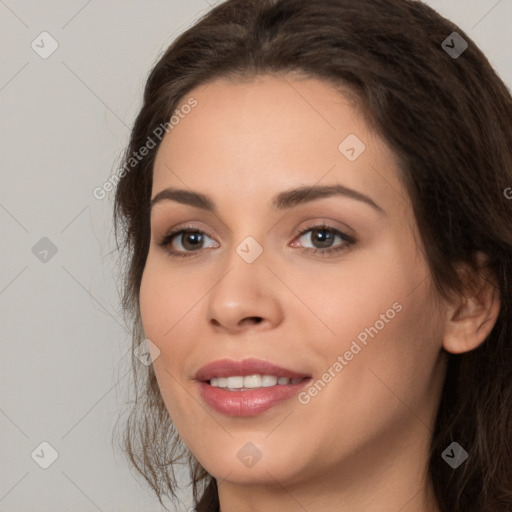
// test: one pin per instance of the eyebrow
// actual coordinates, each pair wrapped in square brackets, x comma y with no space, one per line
[283,201]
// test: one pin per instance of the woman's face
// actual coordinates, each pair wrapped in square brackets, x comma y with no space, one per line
[358,317]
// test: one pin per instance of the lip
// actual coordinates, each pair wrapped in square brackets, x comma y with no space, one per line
[249,402]
[229,367]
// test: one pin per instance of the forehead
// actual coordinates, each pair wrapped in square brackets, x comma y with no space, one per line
[253,138]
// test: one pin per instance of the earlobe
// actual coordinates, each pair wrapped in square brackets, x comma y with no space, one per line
[471,319]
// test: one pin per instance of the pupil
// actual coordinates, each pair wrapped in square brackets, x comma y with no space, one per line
[324,236]
[192,236]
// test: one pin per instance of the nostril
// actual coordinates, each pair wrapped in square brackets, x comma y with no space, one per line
[252,319]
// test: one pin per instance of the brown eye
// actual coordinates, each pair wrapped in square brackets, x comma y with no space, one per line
[185,241]
[323,239]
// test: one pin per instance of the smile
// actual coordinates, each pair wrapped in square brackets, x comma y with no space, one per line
[248,387]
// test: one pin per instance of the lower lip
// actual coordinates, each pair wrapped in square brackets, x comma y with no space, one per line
[248,403]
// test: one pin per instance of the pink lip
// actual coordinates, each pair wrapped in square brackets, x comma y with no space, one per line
[228,367]
[250,402]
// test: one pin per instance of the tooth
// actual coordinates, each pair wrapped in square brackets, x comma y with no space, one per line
[235,382]
[252,381]
[268,380]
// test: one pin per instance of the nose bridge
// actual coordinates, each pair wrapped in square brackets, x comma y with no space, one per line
[250,250]
[245,272]
[243,291]
[248,236]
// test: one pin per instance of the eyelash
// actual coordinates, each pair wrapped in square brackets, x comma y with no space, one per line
[348,241]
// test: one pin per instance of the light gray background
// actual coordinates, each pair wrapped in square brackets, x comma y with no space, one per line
[64,123]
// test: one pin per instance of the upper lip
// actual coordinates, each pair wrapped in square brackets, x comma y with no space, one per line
[229,367]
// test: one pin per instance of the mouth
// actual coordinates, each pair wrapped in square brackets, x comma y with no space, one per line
[252,372]
[248,387]
[254,381]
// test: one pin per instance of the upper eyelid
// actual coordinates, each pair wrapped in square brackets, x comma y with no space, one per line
[322,220]
[310,208]
[317,224]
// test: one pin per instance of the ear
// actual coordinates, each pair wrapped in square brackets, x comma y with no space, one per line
[471,318]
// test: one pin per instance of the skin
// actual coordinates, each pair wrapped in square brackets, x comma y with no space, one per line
[362,443]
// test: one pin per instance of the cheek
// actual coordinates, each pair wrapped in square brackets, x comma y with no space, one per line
[165,308]
[382,384]
[166,298]
[169,308]
[355,296]
[397,363]
[385,325]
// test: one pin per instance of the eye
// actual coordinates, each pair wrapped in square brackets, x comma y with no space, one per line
[324,236]
[186,241]
[190,240]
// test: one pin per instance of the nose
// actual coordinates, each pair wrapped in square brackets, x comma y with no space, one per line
[247,296]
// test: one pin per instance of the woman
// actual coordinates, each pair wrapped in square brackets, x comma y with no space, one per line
[319,260]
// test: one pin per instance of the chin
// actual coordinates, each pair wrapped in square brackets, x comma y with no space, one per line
[243,463]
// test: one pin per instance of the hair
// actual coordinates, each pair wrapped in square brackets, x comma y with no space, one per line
[448,121]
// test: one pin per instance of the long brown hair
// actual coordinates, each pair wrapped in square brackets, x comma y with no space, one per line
[447,117]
